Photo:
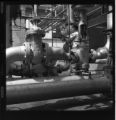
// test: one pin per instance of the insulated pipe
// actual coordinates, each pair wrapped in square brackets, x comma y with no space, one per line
[61,87]
[59,8]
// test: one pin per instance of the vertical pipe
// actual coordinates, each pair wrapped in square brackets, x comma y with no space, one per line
[52,26]
[82,29]
[109,34]
[109,27]
[109,18]
[68,14]
[71,13]
[35,10]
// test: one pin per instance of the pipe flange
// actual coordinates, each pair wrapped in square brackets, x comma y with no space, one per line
[37,31]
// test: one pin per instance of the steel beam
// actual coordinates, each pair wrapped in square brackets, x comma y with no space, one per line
[97,21]
[55,17]
[61,87]
[94,10]
[49,15]
[51,18]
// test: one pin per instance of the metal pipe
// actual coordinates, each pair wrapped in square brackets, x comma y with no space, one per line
[109,19]
[93,11]
[35,10]
[51,18]
[110,36]
[55,17]
[101,61]
[52,29]
[49,15]
[61,87]
[84,44]
[54,26]
[14,54]
[102,52]
[19,53]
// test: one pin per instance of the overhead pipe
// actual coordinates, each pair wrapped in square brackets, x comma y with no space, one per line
[49,22]
[50,14]
[93,11]
[55,17]
[54,26]
[47,16]
[51,18]
[61,87]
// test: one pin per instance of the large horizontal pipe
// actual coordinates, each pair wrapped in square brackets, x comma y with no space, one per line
[14,54]
[18,53]
[61,87]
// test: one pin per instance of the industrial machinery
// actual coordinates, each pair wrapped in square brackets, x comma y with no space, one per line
[38,63]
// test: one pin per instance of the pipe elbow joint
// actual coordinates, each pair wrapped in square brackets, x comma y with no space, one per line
[100,53]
